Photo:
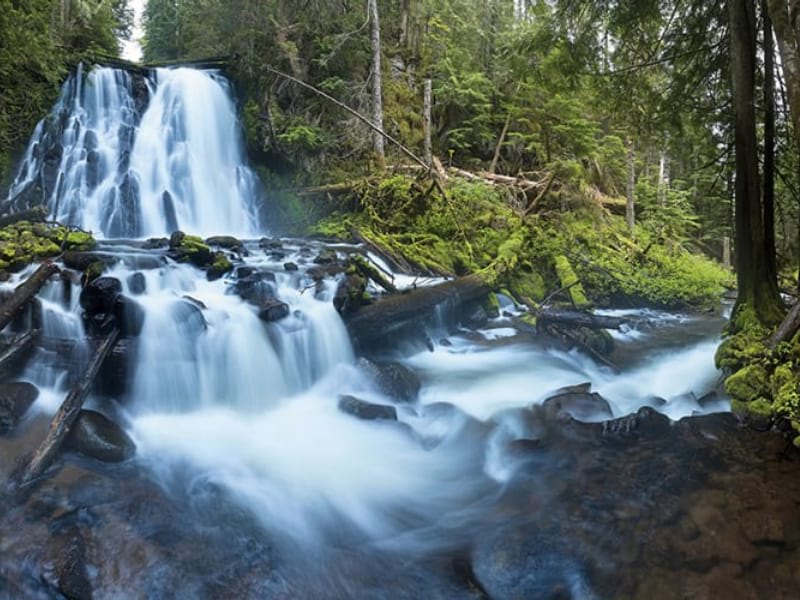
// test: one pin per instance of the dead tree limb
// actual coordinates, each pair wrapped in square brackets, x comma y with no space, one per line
[25,293]
[17,349]
[787,328]
[67,414]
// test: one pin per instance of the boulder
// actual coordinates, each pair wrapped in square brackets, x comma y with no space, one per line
[225,241]
[80,261]
[137,283]
[270,244]
[188,317]
[350,294]
[15,400]
[99,295]
[579,403]
[290,266]
[272,309]
[366,411]
[326,257]
[97,436]
[644,422]
[155,243]
[393,379]
[219,267]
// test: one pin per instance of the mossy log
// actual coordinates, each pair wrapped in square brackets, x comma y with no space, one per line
[787,328]
[66,416]
[374,324]
[25,293]
[579,318]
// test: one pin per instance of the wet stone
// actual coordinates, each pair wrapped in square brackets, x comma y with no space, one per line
[15,400]
[97,436]
[290,266]
[366,410]
[272,309]
[137,283]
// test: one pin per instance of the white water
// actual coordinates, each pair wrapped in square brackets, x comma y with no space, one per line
[178,165]
[219,396]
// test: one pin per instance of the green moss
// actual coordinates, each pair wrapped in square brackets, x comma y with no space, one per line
[219,267]
[748,384]
[93,271]
[760,407]
[741,349]
[79,240]
[529,286]
[569,281]
[492,305]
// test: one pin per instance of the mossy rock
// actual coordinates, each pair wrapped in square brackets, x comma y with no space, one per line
[219,267]
[191,249]
[748,384]
[79,240]
[529,286]
[569,281]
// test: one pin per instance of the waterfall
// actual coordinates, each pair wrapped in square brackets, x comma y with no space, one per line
[130,155]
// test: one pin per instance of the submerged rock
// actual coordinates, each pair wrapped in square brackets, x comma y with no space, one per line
[129,315]
[272,309]
[137,284]
[97,436]
[392,379]
[290,266]
[521,563]
[579,403]
[350,294]
[15,400]
[326,257]
[366,411]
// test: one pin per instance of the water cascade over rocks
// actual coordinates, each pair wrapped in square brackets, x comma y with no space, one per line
[273,462]
[129,154]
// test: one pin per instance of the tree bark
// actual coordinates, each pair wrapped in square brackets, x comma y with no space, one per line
[769,144]
[500,142]
[630,211]
[18,348]
[25,293]
[67,415]
[786,23]
[377,87]
[427,107]
[756,288]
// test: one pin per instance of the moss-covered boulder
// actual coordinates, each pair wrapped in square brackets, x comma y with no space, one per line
[23,243]
[219,267]
[191,249]
[748,384]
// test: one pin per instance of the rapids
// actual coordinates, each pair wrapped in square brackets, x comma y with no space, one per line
[249,481]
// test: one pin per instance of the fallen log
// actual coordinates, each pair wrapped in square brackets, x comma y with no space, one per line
[379,323]
[34,214]
[66,416]
[16,350]
[580,318]
[787,328]
[25,293]
[576,341]
[370,271]
[396,262]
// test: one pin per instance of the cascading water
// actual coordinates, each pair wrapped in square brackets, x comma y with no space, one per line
[129,155]
[217,398]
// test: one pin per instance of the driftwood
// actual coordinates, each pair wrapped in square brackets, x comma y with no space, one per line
[787,328]
[66,416]
[34,214]
[579,318]
[370,271]
[25,293]
[377,323]
[17,349]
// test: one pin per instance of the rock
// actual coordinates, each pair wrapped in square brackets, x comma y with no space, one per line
[130,316]
[475,317]
[290,266]
[190,248]
[156,243]
[168,206]
[392,379]
[256,288]
[366,410]
[99,295]
[219,267]
[15,400]
[225,241]
[188,317]
[522,563]
[272,309]
[80,261]
[97,436]
[137,283]
[350,294]
[245,271]
[68,574]
[326,257]
[580,405]
[270,244]
[646,421]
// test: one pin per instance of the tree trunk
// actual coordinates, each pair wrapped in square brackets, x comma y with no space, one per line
[726,252]
[500,142]
[630,211]
[25,292]
[427,106]
[769,144]
[404,23]
[756,288]
[784,17]
[662,179]
[377,100]
[66,415]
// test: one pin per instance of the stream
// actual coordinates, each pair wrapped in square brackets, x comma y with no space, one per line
[510,467]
